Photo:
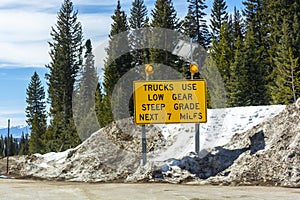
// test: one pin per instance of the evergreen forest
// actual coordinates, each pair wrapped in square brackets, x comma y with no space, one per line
[256,51]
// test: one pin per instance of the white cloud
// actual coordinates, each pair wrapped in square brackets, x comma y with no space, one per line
[15,121]
[103,2]
[24,54]
[25,30]
[30,5]
[6,111]
[16,115]
[25,33]
[22,26]
[95,26]
[24,36]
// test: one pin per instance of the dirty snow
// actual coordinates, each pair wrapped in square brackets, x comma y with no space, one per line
[219,129]
[114,152]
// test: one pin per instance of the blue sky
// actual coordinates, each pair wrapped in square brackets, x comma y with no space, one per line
[24,33]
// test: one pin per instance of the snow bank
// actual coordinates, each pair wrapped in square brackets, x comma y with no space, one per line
[246,145]
[266,154]
[221,125]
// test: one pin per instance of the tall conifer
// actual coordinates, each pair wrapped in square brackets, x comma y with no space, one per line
[66,58]
[116,67]
[36,114]
[99,106]
[218,16]
[117,63]
[196,10]
[257,25]
[285,88]
[137,21]
[255,78]
[164,16]
[84,95]
[238,84]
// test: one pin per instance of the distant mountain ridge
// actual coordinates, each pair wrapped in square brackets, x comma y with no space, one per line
[15,131]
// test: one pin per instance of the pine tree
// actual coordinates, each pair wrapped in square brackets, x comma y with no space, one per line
[216,93]
[238,85]
[256,21]
[250,11]
[256,89]
[285,88]
[5,148]
[237,27]
[296,47]
[247,80]
[36,114]
[84,96]
[256,15]
[115,67]
[190,24]
[65,53]
[22,145]
[26,149]
[218,16]
[194,26]
[99,103]
[296,28]
[15,146]
[118,62]
[164,16]
[138,20]
[222,53]
[200,29]
[11,146]
[86,83]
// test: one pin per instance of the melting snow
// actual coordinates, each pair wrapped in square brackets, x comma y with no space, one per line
[221,125]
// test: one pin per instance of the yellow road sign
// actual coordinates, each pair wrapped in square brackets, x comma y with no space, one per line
[172,101]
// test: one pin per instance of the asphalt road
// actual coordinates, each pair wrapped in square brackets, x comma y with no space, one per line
[11,189]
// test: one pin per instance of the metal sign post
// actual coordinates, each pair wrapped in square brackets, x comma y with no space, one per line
[7,149]
[144,145]
[148,70]
[197,139]
[194,69]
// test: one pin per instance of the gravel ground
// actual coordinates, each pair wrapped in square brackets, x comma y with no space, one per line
[29,189]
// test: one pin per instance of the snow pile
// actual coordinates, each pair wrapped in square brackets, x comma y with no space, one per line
[220,127]
[271,153]
[268,154]
[110,154]
[248,145]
